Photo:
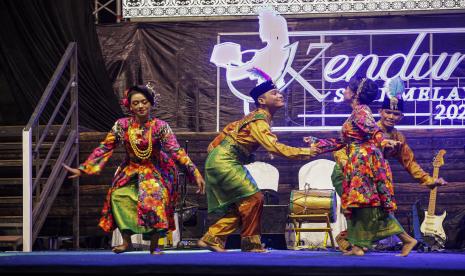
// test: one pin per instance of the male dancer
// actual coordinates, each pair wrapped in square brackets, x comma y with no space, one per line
[230,187]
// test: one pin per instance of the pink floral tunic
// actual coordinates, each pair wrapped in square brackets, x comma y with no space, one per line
[367,176]
[156,177]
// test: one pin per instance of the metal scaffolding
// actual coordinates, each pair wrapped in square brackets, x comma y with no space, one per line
[105,5]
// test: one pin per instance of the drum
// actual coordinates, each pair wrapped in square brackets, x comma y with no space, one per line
[314,201]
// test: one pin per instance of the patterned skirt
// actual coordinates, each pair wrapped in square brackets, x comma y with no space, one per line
[124,202]
[366,225]
[367,179]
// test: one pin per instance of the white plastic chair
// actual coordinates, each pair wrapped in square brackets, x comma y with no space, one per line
[317,175]
[267,178]
[266,175]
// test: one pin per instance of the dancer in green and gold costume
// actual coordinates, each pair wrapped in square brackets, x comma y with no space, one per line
[230,188]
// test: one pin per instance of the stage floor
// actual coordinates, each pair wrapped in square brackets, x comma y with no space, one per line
[233,262]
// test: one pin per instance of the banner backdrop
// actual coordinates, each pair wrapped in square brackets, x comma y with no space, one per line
[197,87]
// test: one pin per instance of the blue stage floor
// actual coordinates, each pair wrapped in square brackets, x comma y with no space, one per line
[234,262]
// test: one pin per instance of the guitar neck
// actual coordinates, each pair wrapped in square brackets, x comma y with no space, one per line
[433,194]
[432,201]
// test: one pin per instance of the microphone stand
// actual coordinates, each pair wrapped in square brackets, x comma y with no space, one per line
[183,201]
[184,243]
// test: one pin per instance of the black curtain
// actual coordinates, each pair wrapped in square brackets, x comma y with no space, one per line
[34,35]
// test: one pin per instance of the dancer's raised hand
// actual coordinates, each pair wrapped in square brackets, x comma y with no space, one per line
[74,172]
[437,182]
[308,140]
[392,143]
[314,150]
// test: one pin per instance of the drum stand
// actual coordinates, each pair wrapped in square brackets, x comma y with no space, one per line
[297,221]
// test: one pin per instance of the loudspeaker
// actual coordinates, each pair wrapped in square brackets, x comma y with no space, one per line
[274,219]
[270,197]
[455,231]
[195,223]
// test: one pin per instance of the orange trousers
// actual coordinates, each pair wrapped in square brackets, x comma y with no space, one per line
[247,214]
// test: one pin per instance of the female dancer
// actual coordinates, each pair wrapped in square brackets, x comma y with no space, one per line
[368,191]
[142,197]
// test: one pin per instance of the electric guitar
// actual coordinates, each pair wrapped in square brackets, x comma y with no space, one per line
[432,224]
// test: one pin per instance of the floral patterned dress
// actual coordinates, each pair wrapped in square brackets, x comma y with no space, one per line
[155,177]
[367,178]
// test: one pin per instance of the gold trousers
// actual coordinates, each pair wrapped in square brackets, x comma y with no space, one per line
[247,214]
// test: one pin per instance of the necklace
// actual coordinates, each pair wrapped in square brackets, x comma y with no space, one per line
[142,154]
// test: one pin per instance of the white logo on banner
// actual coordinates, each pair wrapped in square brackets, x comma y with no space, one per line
[277,58]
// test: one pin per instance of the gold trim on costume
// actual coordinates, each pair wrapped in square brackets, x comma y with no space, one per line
[251,243]
[213,240]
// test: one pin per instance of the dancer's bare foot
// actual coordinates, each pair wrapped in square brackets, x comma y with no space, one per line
[408,244]
[120,248]
[156,252]
[356,251]
[342,242]
[210,247]
[126,245]
[407,247]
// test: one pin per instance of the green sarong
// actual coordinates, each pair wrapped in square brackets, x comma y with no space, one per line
[368,225]
[124,210]
[227,180]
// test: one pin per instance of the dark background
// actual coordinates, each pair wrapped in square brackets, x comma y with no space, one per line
[34,35]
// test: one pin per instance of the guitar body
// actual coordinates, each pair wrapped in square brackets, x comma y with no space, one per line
[432,226]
